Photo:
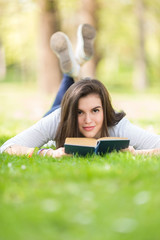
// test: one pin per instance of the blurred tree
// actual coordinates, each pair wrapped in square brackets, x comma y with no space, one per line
[116,42]
[18,33]
[49,22]
[141,81]
[127,40]
[2,61]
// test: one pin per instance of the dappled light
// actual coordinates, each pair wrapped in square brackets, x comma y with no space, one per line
[126,48]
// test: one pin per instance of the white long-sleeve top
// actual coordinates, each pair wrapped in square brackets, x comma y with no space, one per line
[45,130]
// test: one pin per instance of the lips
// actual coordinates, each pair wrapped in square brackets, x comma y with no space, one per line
[89,128]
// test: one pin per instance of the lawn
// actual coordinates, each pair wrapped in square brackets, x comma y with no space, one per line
[113,197]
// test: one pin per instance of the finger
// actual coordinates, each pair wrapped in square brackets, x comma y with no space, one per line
[64,153]
[60,152]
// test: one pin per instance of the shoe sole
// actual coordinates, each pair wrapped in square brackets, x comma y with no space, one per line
[61,46]
[88,35]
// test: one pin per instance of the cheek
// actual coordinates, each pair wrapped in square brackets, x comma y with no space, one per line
[79,121]
[101,119]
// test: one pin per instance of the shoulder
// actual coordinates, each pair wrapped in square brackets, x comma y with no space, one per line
[50,122]
[55,114]
[122,124]
[52,117]
[139,137]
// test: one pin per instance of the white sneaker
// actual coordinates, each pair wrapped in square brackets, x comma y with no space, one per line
[85,39]
[62,47]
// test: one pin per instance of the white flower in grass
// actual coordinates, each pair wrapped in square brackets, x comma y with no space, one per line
[23,167]
[124,225]
[50,205]
[9,164]
[88,196]
[107,167]
[142,197]
[112,187]
[83,218]
[73,188]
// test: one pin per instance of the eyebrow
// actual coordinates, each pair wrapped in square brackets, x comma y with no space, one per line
[97,107]
[91,108]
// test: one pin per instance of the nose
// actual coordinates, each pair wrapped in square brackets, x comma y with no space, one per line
[87,118]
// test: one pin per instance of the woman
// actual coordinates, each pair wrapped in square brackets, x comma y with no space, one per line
[85,111]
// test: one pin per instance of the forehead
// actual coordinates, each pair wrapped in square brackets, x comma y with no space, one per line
[91,100]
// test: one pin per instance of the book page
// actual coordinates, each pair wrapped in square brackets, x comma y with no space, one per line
[111,138]
[81,141]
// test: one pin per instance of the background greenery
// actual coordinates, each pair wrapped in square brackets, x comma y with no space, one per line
[120,36]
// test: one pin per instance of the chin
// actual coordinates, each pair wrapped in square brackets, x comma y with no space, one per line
[90,135]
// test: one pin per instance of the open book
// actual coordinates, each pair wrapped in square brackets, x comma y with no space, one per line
[83,146]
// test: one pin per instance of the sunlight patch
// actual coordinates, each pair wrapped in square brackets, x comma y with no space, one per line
[23,167]
[9,164]
[83,218]
[124,225]
[50,205]
[142,197]
[107,167]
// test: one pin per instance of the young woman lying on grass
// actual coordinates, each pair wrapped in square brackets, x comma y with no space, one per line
[85,110]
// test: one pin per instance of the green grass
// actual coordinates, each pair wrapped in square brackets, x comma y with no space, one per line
[113,197]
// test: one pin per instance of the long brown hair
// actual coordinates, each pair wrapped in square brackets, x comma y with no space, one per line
[68,126]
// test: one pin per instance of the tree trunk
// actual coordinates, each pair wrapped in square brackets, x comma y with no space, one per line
[2,62]
[140,80]
[49,74]
[87,13]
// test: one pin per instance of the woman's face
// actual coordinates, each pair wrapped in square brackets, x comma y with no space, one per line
[90,115]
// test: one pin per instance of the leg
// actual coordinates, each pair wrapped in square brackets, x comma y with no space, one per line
[67,81]
[85,38]
[62,47]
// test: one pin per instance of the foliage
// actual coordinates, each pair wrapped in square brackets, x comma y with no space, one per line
[17,24]
[118,42]
[117,39]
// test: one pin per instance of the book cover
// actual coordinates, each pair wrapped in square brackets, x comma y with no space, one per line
[84,146]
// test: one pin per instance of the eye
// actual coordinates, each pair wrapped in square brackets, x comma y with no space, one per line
[80,112]
[95,110]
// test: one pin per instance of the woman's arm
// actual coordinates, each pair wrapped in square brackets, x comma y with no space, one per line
[139,138]
[35,136]
[149,152]
[20,150]
[54,153]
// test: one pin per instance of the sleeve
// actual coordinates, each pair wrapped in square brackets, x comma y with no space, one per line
[139,138]
[38,134]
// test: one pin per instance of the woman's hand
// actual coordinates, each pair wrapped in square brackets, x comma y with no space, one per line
[59,152]
[149,152]
[54,153]
[130,149]
[19,150]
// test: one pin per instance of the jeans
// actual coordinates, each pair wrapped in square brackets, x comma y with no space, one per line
[67,81]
